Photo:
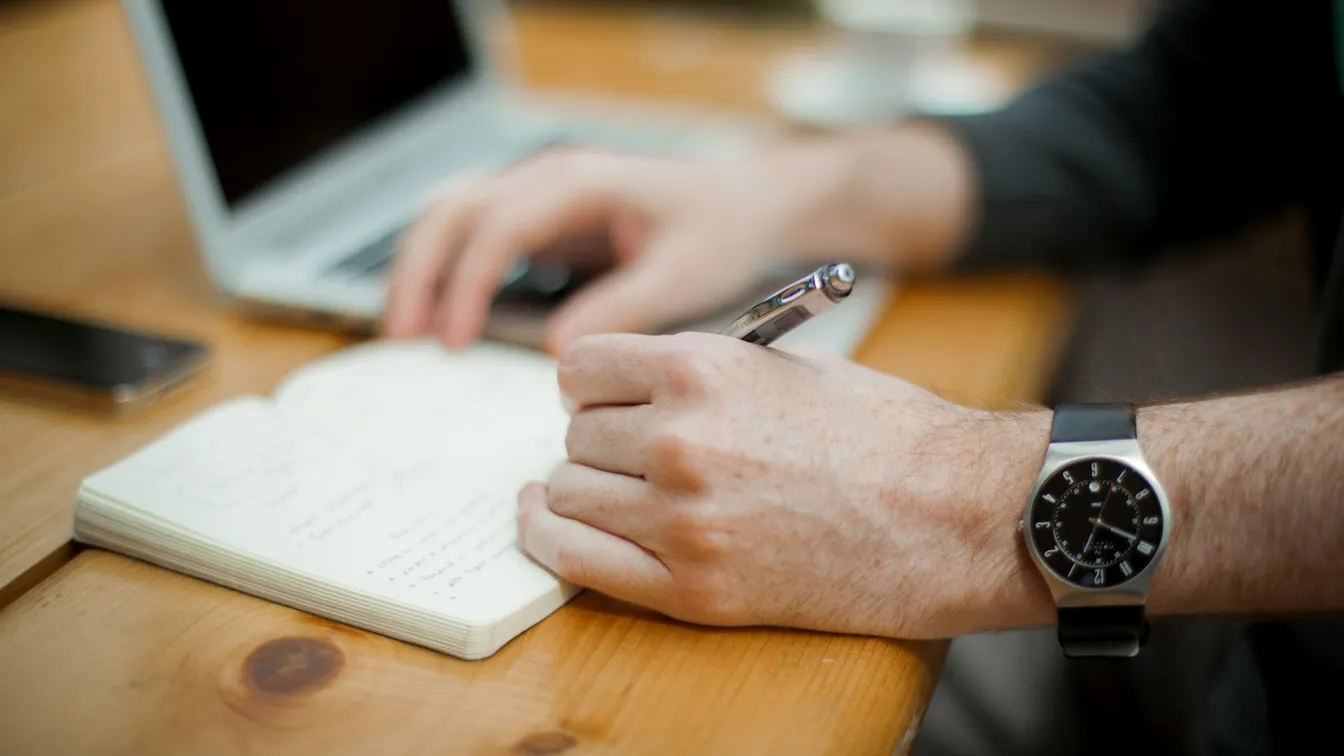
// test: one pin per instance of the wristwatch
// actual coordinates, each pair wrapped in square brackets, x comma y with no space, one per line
[1096,525]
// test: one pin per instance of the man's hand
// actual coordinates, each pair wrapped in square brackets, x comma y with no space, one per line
[723,483]
[688,235]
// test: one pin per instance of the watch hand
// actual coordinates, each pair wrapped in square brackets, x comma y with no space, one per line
[1088,545]
[1096,521]
[1102,509]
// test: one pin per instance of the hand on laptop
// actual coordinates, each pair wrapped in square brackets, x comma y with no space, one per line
[688,235]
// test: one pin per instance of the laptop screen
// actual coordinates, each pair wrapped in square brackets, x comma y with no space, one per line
[275,82]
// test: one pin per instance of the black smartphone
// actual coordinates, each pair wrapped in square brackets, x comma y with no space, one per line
[90,364]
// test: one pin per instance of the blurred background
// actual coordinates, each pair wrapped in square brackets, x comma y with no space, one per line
[83,167]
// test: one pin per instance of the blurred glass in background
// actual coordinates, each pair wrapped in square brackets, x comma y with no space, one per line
[886,59]
[895,56]
[898,58]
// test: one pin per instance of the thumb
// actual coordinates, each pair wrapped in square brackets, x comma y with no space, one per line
[637,297]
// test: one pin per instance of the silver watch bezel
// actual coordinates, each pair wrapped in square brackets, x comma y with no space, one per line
[1133,592]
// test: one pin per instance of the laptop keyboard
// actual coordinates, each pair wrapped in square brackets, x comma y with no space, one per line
[374,258]
[371,260]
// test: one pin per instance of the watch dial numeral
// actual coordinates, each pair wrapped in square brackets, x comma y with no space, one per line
[1043,525]
[1098,577]
[1049,498]
[1068,477]
[1151,520]
[1142,494]
[1051,551]
[1144,548]
[1125,568]
[1096,469]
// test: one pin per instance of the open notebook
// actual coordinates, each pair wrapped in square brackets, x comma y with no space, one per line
[377,487]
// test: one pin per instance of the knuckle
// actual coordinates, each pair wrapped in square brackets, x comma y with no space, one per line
[688,371]
[674,452]
[695,362]
[699,533]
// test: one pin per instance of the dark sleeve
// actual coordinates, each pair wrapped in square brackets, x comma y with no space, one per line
[1194,131]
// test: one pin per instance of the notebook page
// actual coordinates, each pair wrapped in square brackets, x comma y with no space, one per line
[416,530]
[487,403]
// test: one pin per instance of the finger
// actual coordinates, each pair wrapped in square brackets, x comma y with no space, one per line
[639,297]
[611,438]
[530,223]
[617,504]
[804,349]
[609,369]
[425,251]
[585,556]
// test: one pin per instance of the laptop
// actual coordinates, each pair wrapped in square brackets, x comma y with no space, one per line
[307,136]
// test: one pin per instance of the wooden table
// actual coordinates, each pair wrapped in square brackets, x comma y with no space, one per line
[99,653]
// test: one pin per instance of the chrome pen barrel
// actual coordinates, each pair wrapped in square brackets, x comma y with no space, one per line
[794,304]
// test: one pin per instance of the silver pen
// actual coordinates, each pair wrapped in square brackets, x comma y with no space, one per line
[794,305]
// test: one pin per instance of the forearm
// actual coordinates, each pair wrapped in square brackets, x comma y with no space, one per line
[1256,488]
[1109,164]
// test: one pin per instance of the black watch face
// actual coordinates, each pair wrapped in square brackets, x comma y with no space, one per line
[1096,522]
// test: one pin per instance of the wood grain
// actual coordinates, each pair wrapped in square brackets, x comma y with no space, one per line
[70,92]
[161,665]
[111,655]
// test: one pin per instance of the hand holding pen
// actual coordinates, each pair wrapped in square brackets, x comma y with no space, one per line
[720,483]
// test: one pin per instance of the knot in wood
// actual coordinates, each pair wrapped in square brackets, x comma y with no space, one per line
[293,665]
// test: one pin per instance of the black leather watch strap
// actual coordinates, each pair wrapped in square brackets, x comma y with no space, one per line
[1102,631]
[1094,422]
[1099,631]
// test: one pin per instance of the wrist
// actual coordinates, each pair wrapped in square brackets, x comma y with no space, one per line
[1165,443]
[898,196]
[1004,590]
